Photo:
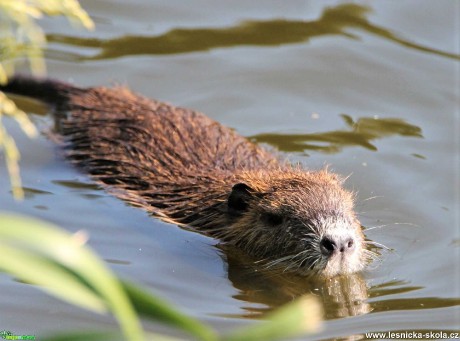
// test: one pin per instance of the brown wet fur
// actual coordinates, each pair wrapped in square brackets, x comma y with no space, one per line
[183,167]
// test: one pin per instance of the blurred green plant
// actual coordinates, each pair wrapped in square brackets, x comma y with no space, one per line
[22,38]
[61,264]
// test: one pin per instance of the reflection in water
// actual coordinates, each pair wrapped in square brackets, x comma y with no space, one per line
[333,21]
[117,261]
[30,105]
[400,287]
[361,133]
[76,184]
[30,192]
[85,190]
[340,296]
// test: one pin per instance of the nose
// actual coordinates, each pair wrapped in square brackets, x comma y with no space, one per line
[331,245]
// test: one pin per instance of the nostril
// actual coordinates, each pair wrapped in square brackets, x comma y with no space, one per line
[347,245]
[350,243]
[327,245]
[330,246]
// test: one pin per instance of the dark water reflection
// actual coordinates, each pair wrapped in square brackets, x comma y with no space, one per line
[360,133]
[342,296]
[334,21]
[31,192]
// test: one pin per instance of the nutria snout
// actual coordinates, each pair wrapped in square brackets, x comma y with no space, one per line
[185,168]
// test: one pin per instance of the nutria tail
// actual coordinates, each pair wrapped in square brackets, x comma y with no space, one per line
[46,90]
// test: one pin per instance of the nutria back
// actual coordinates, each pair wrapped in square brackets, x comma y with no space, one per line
[185,168]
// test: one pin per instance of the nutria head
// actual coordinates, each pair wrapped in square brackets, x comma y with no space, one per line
[295,220]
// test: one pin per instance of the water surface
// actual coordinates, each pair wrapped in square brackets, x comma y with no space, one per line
[369,88]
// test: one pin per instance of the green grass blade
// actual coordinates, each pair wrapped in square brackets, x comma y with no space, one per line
[86,336]
[50,276]
[159,310]
[299,317]
[70,252]
[103,336]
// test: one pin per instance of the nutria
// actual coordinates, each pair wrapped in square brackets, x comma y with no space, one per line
[185,168]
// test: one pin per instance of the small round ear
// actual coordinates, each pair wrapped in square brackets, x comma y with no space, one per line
[238,200]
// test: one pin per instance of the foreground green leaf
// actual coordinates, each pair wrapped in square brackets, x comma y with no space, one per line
[103,336]
[299,317]
[50,276]
[62,265]
[159,310]
[47,242]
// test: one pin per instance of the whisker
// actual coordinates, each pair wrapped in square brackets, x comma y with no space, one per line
[408,224]
[372,198]
[370,242]
[277,261]
[377,227]
[387,225]
[371,255]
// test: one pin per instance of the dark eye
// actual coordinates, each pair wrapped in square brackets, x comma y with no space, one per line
[273,218]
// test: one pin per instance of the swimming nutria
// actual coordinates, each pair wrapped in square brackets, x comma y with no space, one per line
[185,168]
